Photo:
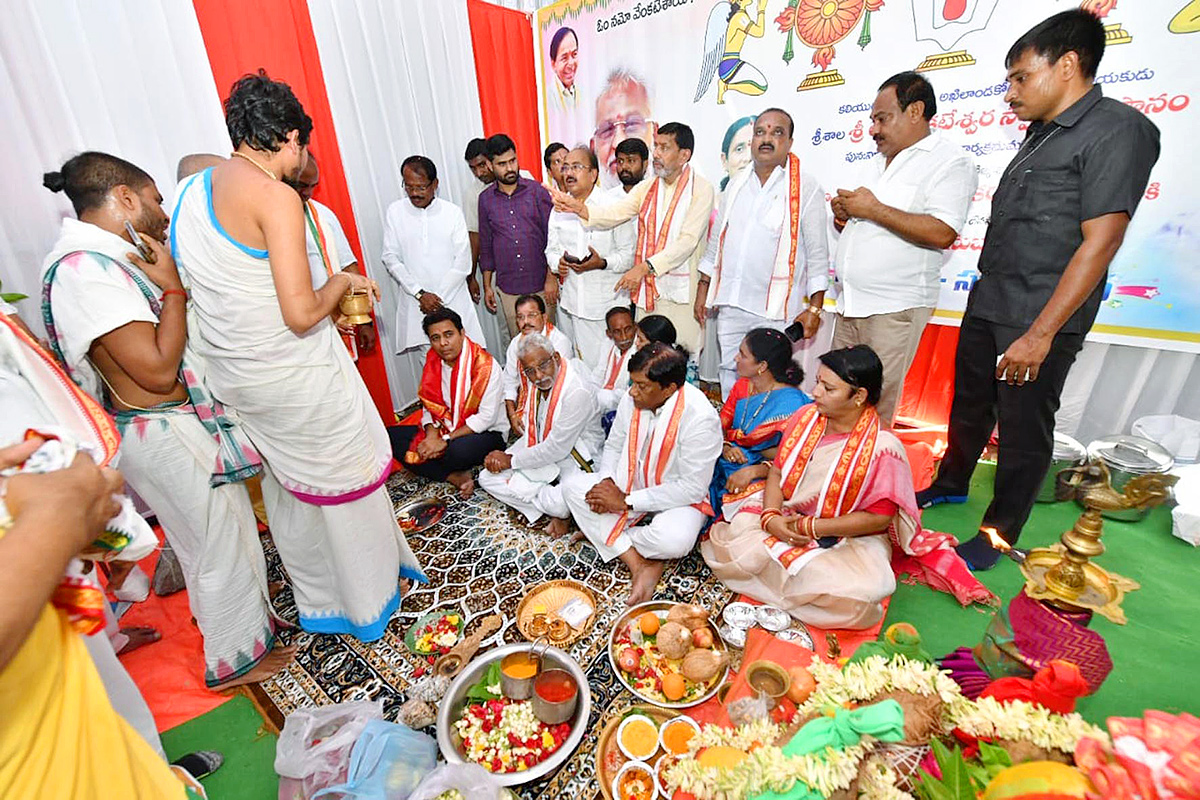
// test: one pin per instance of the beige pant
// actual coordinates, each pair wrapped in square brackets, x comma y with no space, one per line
[894,338]
[508,307]
[687,330]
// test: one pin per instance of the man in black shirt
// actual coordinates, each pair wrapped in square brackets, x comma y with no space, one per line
[1059,216]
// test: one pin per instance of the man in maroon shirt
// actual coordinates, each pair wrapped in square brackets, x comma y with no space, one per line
[514,214]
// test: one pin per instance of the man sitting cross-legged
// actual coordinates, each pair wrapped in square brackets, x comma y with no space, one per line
[461,395]
[531,318]
[658,460]
[562,432]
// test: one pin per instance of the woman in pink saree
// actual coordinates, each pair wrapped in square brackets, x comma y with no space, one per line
[837,520]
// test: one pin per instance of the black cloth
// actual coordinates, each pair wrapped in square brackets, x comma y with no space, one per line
[1025,413]
[1093,159]
[462,453]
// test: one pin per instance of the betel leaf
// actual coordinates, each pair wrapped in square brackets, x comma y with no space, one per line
[481,691]
[955,783]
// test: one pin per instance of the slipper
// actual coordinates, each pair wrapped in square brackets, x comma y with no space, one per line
[201,763]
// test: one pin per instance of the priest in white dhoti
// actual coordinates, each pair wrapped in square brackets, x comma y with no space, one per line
[531,318]
[119,328]
[461,419]
[589,262]
[562,435]
[427,252]
[640,506]
[673,211]
[767,262]
[274,358]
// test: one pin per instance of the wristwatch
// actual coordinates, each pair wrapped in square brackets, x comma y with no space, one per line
[420,293]
[650,268]
[817,310]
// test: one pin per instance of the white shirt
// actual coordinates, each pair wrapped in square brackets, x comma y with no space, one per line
[427,249]
[576,425]
[471,203]
[490,416]
[877,271]
[589,295]
[756,221]
[344,256]
[607,399]
[689,470]
[512,364]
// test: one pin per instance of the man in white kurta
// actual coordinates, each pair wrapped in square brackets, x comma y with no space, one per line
[589,262]
[531,317]
[672,210]
[562,430]
[767,262]
[611,376]
[427,252]
[658,461]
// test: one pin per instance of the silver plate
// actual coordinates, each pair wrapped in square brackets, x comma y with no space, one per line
[797,635]
[772,618]
[660,608]
[450,710]
[739,615]
[419,515]
[734,637]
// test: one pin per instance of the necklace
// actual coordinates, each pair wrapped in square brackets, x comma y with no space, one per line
[749,424]
[274,177]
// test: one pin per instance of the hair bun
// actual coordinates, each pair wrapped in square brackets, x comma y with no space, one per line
[794,374]
[54,181]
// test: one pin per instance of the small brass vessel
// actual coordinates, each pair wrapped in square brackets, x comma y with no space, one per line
[357,307]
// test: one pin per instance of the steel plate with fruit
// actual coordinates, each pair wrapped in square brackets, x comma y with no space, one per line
[668,654]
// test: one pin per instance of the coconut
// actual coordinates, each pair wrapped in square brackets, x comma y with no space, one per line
[922,714]
[674,640]
[702,665]
[688,615]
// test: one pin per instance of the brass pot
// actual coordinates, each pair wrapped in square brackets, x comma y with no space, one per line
[356,306]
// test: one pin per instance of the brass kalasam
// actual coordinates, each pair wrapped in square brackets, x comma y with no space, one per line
[1064,575]
[356,306]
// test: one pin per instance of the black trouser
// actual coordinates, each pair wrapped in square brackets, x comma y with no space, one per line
[1025,413]
[461,454]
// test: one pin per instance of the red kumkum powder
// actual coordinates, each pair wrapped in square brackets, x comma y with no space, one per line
[555,686]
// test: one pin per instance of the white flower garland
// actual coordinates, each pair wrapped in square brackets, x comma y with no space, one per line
[877,781]
[1021,721]
[768,769]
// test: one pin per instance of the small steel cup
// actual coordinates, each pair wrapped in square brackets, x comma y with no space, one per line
[553,713]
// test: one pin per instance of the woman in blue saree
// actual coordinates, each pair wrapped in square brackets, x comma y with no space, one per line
[754,416]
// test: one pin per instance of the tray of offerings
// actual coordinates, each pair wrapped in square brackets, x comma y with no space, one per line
[493,713]
[668,654]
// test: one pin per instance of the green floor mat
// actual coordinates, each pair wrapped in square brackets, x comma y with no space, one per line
[233,729]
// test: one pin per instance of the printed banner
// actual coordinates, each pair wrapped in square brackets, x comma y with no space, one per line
[612,69]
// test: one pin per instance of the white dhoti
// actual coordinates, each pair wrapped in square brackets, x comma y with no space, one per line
[664,535]
[590,336]
[167,457]
[732,326]
[531,492]
[122,692]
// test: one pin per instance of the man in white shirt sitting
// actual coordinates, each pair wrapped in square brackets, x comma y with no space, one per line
[531,318]
[889,256]
[767,262]
[658,461]
[589,262]
[427,252]
[611,375]
[460,394]
[562,433]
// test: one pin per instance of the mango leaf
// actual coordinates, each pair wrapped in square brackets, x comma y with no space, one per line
[955,783]
[12,297]
[995,759]
[480,690]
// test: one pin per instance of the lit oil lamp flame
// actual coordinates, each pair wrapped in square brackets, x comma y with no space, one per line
[1015,553]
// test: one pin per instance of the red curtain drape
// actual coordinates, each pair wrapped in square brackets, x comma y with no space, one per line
[503,43]
[277,36]
[929,385]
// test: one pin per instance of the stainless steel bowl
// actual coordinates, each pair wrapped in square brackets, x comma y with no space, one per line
[1127,457]
[450,710]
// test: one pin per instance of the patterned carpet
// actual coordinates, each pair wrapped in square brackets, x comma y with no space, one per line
[480,560]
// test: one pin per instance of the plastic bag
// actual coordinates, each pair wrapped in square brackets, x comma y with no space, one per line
[471,780]
[314,746]
[387,763]
[1179,435]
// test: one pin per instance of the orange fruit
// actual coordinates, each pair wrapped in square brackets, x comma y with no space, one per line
[649,623]
[674,686]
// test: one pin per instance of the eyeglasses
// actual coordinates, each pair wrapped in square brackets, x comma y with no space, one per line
[575,168]
[411,188]
[543,368]
[633,126]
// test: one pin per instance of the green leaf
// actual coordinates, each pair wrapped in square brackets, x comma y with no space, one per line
[480,691]
[955,783]
[13,297]
[994,758]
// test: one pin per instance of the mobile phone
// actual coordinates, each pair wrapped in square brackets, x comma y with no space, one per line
[570,259]
[795,331]
[143,249]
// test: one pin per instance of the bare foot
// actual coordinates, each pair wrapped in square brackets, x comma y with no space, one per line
[577,536]
[138,637]
[645,573]
[273,662]
[463,482]
[557,528]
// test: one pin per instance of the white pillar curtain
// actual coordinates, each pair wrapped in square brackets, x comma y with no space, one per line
[128,77]
[401,81]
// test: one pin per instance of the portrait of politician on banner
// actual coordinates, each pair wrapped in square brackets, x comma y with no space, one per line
[611,70]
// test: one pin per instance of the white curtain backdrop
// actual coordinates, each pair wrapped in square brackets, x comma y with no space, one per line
[128,77]
[401,81]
